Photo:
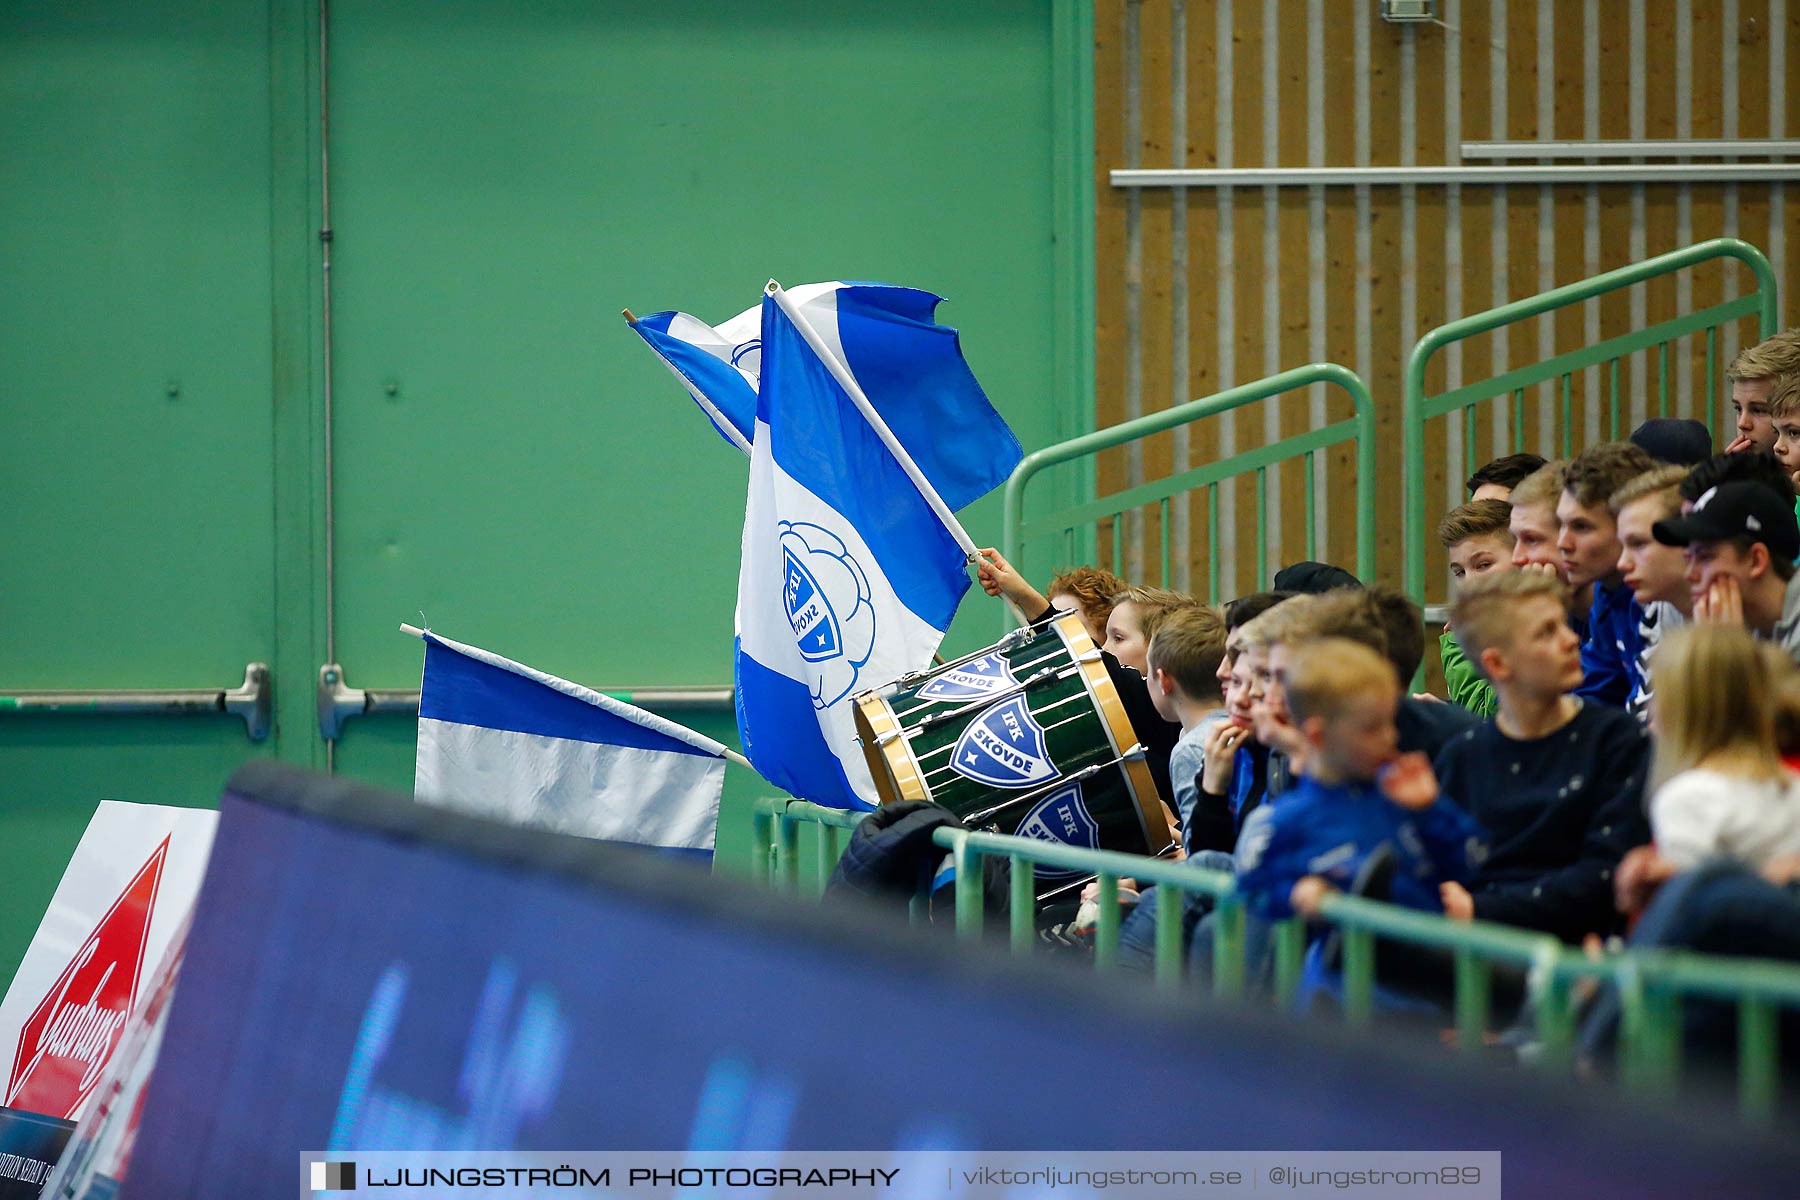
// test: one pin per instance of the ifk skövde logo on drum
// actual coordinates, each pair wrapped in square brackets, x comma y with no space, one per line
[1004,747]
[1062,816]
[986,676]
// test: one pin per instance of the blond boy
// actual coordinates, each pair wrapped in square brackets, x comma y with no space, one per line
[1784,414]
[1357,796]
[1655,573]
[1554,780]
[1753,374]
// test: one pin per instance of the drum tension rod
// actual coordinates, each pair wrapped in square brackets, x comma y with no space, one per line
[1047,675]
[989,814]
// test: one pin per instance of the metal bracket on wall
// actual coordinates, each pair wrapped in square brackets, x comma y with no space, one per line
[339,701]
[252,700]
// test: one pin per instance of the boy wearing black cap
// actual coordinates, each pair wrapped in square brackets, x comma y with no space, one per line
[1741,540]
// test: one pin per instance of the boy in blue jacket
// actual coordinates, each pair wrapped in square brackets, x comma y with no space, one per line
[1588,540]
[1355,795]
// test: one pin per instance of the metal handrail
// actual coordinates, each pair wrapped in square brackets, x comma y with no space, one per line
[1108,867]
[251,700]
[1659,979]
[1667,173]
[338,701]
[1476,945]
[1418,407]
[1651,983]
[1360,428]
[788,816]
[1738,148]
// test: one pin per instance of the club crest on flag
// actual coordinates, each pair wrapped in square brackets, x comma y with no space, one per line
[829,604]
[1062,817]
[1004,747]
[987,676]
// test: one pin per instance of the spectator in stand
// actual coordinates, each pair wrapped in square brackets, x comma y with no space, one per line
[1719,785]
[1784,412]
[1535,532]
[1532,520]
[1740,540]
[1357,796]
[1137,613]
[1478,538]
[1589,543]
[1385,622]
[1496,479]
[1720,878]
[1136,616]
[1677,441]
[1088,591]
[1753,374]
[1234,778]
[1748,466]
[1314,578]
[1655,573]
[1268,710]
[1425,723]
[1085,590]
[1183,660]
[1556,781]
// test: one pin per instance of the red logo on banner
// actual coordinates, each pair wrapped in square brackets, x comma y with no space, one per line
[67,1040]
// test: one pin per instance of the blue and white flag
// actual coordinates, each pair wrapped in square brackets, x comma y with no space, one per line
[910,367]
[718,366]
[849,578]
[501,740]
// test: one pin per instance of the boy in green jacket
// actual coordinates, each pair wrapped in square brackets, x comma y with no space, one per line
[1479,543]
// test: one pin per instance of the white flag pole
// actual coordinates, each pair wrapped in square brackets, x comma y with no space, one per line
[730,755]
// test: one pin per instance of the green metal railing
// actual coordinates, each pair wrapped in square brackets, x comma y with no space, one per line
[1027,854]
[1652,984]
[775,854]
[1069,523]
[1420,407]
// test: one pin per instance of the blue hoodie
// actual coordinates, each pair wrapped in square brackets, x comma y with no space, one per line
[1330,831]
[1609,652]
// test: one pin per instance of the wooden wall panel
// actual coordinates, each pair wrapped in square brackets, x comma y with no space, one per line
[1232,284]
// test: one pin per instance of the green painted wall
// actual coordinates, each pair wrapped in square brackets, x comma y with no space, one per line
[508,459]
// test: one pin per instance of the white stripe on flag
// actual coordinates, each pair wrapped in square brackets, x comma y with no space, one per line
[620,793]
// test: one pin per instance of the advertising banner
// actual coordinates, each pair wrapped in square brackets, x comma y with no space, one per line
[126,891]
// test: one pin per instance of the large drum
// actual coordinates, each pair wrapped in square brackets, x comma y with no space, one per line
[1027,737]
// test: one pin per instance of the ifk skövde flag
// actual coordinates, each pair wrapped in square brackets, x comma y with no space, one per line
[499,739]
[718,367]
[848,578]
[910,367]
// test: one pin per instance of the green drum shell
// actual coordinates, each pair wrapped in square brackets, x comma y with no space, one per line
[1071,711]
